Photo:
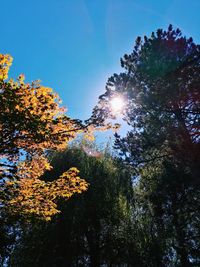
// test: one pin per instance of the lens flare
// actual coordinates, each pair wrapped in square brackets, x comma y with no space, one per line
[117,104]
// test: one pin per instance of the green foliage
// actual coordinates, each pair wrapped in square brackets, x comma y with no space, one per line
[93,228]
[161,85]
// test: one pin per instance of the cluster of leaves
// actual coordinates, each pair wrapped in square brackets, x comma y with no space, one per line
[36,197]
[31,123]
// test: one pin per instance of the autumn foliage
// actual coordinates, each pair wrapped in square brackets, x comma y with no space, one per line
[31,123]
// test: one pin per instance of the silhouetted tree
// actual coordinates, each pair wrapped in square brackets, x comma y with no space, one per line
[161,87]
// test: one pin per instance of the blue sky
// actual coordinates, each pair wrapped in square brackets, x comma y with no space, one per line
[73,46]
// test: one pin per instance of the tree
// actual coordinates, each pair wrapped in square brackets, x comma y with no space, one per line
[92,227]
[160,85]
[31,123]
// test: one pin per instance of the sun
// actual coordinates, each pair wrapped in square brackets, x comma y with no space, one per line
[117,104]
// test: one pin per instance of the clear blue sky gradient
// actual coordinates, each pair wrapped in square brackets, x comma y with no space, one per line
[73,46]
